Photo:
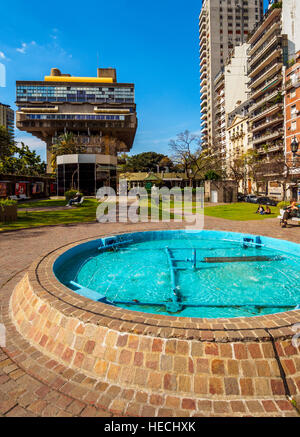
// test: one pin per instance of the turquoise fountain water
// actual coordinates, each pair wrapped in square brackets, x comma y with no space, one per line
[195,274]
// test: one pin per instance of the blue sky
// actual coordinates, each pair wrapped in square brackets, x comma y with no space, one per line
[152,44]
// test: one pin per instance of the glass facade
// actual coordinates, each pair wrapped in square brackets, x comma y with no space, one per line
[60,93]
[73,117]
[86,178]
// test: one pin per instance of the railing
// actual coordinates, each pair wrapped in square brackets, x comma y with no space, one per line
[269,12]
[272,52]
[257,53]
[266,84]
[269,136]
[265,70]
[293,81]
[267,123]
[266,98]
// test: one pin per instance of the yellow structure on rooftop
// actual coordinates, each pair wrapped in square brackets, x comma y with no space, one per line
[104,75]
[78,79]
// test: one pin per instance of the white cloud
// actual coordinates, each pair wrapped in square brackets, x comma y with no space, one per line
[24,47]
[2,55]
[33,144]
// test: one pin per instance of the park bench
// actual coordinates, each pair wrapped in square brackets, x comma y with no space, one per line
[294,219]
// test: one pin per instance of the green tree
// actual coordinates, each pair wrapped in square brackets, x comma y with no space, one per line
[212,175]
[7,145]
[166,162]
[146,162]
[66,145]
[24,162]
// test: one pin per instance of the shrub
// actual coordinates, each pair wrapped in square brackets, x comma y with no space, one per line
[7,202]
[276,5]
[70,194]
[283,204]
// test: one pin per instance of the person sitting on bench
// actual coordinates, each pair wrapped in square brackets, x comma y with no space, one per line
[290,212]
[76,199]
[268,210]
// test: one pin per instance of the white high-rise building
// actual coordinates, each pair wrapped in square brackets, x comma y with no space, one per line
[223,24]
[291,25]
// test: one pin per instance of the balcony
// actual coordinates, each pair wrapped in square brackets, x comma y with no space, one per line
[203,93]
[265,63]
[203,33]
[203,104]
[268,123]
[266,98]
[203,82]
[268,71]
[268,84]
[203,54]
[263,49]
[203,75]
[264,26]
[269,111]
[293,82]
[268,136]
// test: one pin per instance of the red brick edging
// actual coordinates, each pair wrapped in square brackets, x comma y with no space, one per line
[183,359]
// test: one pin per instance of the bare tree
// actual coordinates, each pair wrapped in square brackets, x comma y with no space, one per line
[236,170]
[188,154]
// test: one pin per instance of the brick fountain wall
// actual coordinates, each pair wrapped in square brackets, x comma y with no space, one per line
[181,363]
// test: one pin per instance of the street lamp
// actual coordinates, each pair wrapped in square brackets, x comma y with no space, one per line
[294,147]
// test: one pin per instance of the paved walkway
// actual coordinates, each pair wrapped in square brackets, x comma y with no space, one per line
[24,395]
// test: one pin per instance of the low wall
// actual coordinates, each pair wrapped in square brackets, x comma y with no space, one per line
[185,359]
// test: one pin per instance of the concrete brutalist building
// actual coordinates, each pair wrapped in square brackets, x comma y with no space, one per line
[98,111]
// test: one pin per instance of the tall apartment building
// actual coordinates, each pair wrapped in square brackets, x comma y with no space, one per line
[99,111]
[291,25]
[220,115]
[292,123]
[231,91]
[223,24]
[7,118]
[268,53]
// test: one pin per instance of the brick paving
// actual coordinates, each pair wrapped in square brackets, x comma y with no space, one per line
[36,382]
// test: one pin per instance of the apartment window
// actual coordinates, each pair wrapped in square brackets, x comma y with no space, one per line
[229,24]
[293,94]
[294,125]
[229,17]
[293,111]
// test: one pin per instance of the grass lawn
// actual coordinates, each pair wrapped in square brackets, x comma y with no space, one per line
[239,211]
[31,219]
[44,203]
[87,213]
